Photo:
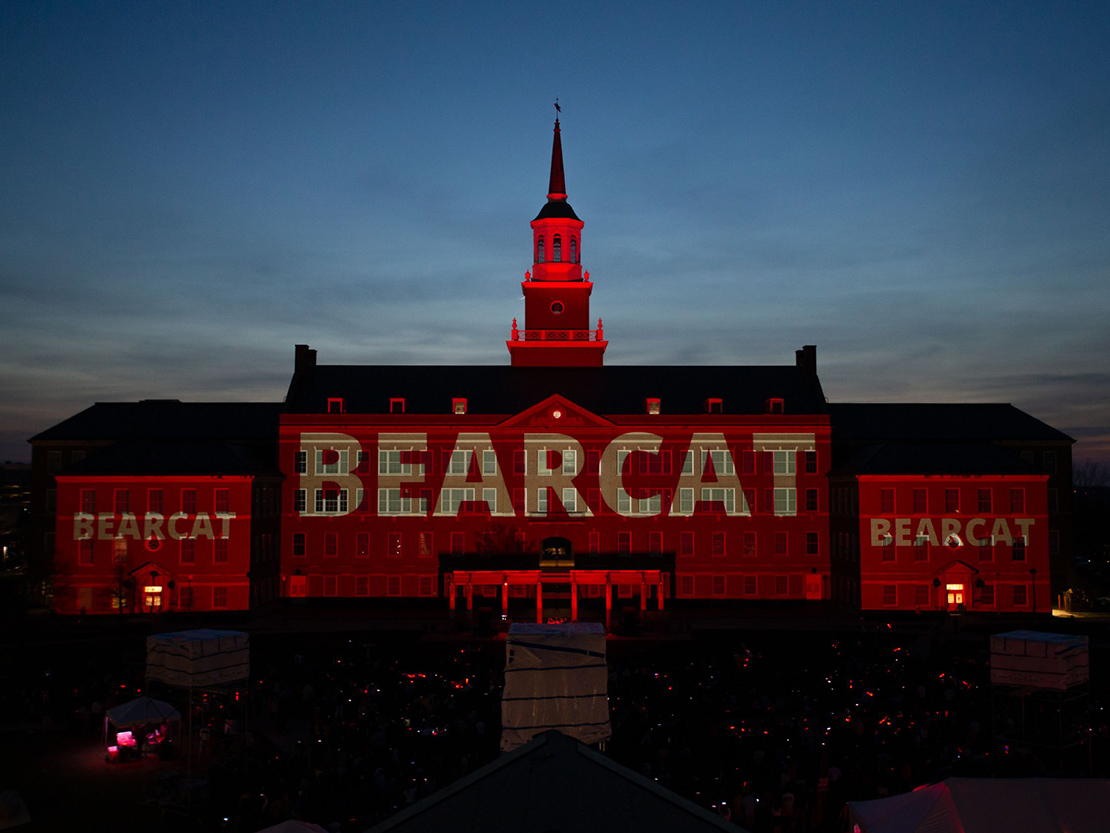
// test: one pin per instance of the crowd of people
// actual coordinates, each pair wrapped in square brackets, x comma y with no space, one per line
[775,731]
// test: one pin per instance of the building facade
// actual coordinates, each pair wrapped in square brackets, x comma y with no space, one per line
[555,486]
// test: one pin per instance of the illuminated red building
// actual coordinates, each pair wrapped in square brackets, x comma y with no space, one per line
[556,485]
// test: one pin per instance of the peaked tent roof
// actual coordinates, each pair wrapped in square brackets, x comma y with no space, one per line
[141,711]
[987,805]
[554,783]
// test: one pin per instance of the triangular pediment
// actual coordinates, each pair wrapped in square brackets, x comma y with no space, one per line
[556,412]
[956,565]
[144,570]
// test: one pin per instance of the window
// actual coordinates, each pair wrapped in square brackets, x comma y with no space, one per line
[573,249]
[219,551]
[393,544]
[219,597]
[593,461]
[88,501]
[393,585]
[595,543]
[920,501]
[331,544]
[776,406]
[1017,500]
[458,406]
[986,550]
[362,544]
[363,462]
[426,544]
[53,461]
[718,585]
[652,406]
[539,249]
[890,595]
[457,463]
[390,502]
[298,544]
[751,586]
[122,501]
[300,462]
[330,585]
[986,595]
[686,545]
[952,500]
[785,502]
[300,500]
[921,595]
[154,501]
[713,406]
[1020,597]
[651,505]
[119,550]
[396,404]
[189,501]
[520,462]
[458,543]
[721,459]
[392,462]
[570,462]
[336,405]
[811,462]
[570,500]
[490,498]
[886,501]
[557,249]
[329,461]
[223,501]
[1050,462]
[85,551]
[189,551]
[811,500]
[624,543]
[782,585]
[427,586]
[812,543]
[921,548]
[782,543]
[1017,549]
[655,543]
[489,461]
[888,547]
[331,501]
[783,462]
[721,499]
[718,544]
[686,501]
[624,502]
[541,501]
[985,501]
[750,544]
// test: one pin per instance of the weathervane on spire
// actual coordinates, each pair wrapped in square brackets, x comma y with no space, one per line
[558,109]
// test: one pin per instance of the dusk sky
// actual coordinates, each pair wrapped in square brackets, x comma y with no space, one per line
[921,189]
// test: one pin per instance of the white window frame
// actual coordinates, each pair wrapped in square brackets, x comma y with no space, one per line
[786,501]
[784,461]
[686,501]
[490,497]
[720,495]
[389,461]
[489,461]
[570,500]
[338,467]
[390,502]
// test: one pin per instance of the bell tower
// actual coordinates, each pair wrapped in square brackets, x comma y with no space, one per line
[556,331]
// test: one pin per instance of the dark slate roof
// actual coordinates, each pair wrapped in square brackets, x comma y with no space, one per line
[867,422]
[166,419]
[559,209]
[176,458]
[554,783]
[955,458]
[509,390]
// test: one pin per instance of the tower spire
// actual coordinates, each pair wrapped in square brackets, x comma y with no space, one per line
[557,186]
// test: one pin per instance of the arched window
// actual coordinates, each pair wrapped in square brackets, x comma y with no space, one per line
[557,249]
[573,250]
[539,249]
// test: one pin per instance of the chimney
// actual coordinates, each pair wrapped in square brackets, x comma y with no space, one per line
[806,359]
[304,359]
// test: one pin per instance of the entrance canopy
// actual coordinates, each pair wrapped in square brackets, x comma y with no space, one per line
[988,805]
[142,711]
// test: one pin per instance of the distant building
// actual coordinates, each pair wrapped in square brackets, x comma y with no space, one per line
[554,487]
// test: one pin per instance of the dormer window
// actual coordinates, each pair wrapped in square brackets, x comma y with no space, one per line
[539,249]
[652,406]
[713,406]
[573,249]
[557,249]
[336,405]
[775,406]
[397,405]
[458,406]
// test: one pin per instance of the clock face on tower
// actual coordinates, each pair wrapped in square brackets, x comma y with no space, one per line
[557,307]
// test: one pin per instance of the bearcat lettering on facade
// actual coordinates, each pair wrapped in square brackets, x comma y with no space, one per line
[980,532]
[178,526]
[476,467]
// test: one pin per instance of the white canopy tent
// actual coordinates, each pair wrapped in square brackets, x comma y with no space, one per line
[142,711]
[199,658]
[988,805]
